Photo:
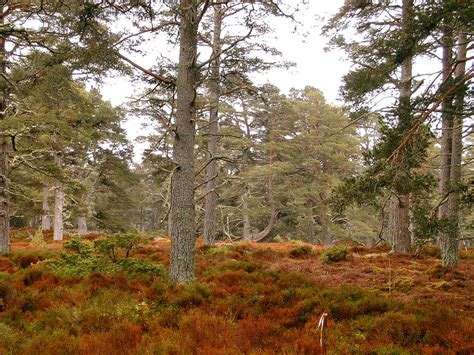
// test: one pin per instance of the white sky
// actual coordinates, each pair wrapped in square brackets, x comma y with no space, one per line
[314,66]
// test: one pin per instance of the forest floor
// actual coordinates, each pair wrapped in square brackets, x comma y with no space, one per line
[247,299]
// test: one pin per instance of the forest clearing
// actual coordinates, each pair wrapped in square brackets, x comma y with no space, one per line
[247,298]
[236,177]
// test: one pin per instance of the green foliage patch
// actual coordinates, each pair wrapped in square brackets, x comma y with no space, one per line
[334,254]
[106,255]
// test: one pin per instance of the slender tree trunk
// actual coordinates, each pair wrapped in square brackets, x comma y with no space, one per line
[399,217]
[46,213]
[446,136]
[311,225]
[449,249]
[247,226]
[82,225]
[326,230]
[4,168]
[210,208]
[4,197]
[58,225]
[182,194]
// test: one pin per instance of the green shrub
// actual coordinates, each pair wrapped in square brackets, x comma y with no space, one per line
[83,257]
[75,264]
[278,239]
[301,251]
[37,240]
[121,243]
[193,294]
[141,266]
[78,246]
[213,250]
[334,254]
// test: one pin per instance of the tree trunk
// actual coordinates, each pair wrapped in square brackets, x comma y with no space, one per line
[446,139]
[326,230]
[271,223]
[210,208]
[399,223]
[311,228]
[58,226]
[247,227]
[182,194]
[399,217]
[449,249]
[82,225]
[4,197]
[4,168]
[45,217]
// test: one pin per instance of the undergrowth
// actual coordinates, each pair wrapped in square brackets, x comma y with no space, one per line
[90,300]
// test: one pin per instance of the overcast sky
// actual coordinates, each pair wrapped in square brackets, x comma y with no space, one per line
[314,66]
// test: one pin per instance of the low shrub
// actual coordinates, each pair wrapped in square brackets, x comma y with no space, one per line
[121,244]
[193,294]
[301,251]
[6,265]
[431,250]
[25,261]
[215,250]
[78,246]
[334,254]
[10,340]
[141,266]
[38,240]
[83,257]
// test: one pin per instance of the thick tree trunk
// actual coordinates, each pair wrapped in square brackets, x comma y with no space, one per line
[210,208]
[82,225]
[58,225]
[449,248]
[399,217]
[46,213]
[399,223]
[182,194]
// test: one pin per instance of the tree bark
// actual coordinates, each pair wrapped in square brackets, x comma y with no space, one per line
[399,217]
[449,247]
[399,223]
[446,132]
[4,167]
[182,194]
[311,224]
[326,230]
[4,196]
[82,225]
[258,237]
[45,217]
[210,208]
[58,226]
[247,226]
